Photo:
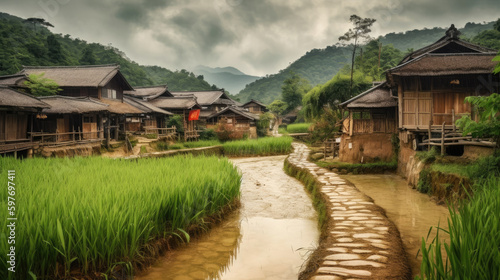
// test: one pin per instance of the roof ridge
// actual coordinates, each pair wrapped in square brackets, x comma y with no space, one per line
[73,66]
[165,85]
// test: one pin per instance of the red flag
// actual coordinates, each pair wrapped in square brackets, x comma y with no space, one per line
[194,115]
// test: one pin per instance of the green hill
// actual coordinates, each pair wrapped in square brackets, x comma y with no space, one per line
[320,65]
[24,44]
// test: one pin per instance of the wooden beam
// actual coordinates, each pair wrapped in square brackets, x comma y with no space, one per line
[351,123]
[400,104]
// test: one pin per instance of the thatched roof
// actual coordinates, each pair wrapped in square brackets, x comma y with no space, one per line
[376,97]
[175,103]
[150,92]
[12,80]
[118,107]
[144,106]
[206,98]
[450,43]
[235,110]
[256,102]
[12,98]
[446,64]
[73,105]
[79,76]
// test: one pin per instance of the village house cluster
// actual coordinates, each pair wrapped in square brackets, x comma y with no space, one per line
[96,105]
[420,101]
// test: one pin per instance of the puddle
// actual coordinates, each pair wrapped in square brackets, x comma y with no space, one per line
[270,236]
[413,213]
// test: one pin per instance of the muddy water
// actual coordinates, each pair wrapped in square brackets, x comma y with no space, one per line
[412,212]
[268,238]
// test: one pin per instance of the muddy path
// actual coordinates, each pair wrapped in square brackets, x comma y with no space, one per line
[269,237]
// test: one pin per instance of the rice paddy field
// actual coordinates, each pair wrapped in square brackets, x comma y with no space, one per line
[88,216]
[298,128]
[259,147]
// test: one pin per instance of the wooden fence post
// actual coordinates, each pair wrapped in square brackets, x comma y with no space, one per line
[430,134]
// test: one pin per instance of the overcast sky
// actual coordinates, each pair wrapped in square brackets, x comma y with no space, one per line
[256,36]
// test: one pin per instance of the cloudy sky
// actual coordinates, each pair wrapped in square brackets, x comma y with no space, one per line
[257,36]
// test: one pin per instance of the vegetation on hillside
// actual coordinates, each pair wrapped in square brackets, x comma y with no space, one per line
[320,65]
[22,43]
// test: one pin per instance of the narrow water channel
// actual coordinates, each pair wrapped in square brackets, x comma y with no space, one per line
[269,237]
[413,213]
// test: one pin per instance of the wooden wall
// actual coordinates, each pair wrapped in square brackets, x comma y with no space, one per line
[423,99]
[13,126]
[371,121]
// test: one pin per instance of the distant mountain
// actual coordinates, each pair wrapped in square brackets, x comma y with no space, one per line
[229,78]
[23,44]
[320,65]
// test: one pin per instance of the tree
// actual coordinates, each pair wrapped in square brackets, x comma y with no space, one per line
[487,108]
[39,21]
[88,57]
[496,26]
[41,86]
[277,107]
[55,49]
[293,89]
[358,33]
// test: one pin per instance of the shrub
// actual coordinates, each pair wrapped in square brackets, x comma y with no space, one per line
[428,156]
[424,182]
[227,132]
[208,134]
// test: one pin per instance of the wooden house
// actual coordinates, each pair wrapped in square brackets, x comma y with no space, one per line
[210,101]
[151,121]
[17,114]
[103,82]
[255,107]
[70,121]
[366,133]
[235,119]
[432,84]
[180,106]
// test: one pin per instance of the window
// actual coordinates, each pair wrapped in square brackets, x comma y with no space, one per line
[88,119]
[109,93]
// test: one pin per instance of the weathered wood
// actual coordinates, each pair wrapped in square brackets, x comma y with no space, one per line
[430,134]
[442,140]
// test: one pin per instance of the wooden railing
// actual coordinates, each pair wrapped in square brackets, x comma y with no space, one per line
[65,138]
[450,137]
[166,131]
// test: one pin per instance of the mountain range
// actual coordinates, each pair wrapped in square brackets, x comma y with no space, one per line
[230,78]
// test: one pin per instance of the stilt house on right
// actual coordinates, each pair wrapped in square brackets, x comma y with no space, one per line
[432,84]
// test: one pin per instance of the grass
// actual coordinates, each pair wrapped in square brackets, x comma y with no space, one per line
[259,147]
[282,130]
[360,168]
[474,239]
[298,128]
[92,214]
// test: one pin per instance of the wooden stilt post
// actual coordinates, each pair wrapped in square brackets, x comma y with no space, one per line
[442,139]
[430,135]
[453,119]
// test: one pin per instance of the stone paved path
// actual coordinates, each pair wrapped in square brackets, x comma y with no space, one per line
[362,243]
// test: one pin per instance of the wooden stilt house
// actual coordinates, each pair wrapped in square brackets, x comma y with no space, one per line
[366,133]
[432,84]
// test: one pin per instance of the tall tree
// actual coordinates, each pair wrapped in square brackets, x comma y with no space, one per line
[39,21]
[359,33]
[293,89]
[88,57]
[55,49]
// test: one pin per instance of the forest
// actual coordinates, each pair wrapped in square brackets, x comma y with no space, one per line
[31,44]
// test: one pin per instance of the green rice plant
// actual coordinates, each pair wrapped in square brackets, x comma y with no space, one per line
[176,146]
[473,250]
[282,130]
[162,146]
[93,214]
[298,128]
[259,147]
[201,143]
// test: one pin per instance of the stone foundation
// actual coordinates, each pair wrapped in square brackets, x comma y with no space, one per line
[366,148]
